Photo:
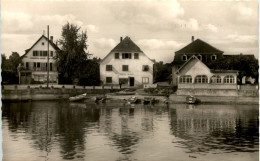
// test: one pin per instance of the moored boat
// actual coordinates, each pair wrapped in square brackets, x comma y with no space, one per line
[148,100]
[78,97]
[132,100]
[101,99]
[191,99]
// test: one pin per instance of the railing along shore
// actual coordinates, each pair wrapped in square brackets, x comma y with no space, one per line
[33,86]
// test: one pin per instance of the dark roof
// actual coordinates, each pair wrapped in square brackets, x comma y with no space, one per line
[224,71]
[198,46]
[127,45]
[51,43]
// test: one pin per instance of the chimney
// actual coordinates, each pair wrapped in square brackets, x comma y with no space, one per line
[51,38]
[192,38]
[121,38]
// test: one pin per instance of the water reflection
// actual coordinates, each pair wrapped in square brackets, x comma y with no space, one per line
[76,131]
[205,127]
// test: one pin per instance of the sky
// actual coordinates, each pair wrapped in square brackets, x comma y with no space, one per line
[159,28]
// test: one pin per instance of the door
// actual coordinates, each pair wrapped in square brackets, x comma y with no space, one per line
[132,81]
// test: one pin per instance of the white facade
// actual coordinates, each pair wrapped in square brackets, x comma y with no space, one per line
[195,78]
[35,63]
[140,68]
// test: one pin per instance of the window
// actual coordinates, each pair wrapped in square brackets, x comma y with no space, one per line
[201,79]
[108,67]
[42,43]
[184,58]
[38,65]
[199,57]
[214,57]
[215,79]
[136,56]
[185,79]
[34,53]
[51,54]
[126,56]
[229,79]
[124,67]
[145,80]
[34,65]
[45,53]
[50,66]
[41,53]
[108,79]
[116,55]
[145,68]
[27,65]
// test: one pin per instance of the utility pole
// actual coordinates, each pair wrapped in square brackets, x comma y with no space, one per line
[48,58]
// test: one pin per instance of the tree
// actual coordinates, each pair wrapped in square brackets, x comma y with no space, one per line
[72,56]
[15,60]
[9,68]
[162,72]
[247,65]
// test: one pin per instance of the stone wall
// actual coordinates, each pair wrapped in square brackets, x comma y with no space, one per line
[48,94]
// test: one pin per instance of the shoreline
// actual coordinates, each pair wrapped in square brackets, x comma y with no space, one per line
[56,95]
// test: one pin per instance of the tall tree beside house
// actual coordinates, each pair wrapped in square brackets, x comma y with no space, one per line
[162,72]
[9,68]
[15,60]
[72,59]
[73,54]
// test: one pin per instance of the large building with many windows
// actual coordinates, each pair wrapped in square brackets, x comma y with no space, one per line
[33,68]
[126,64]
[202,50]
[195,78]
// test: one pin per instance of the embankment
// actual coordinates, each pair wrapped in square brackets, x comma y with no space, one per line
[218,99]
[48,94]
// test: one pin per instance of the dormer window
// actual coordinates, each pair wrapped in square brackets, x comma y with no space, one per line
[126,56]
[214,57]
[199,57]
[184,57]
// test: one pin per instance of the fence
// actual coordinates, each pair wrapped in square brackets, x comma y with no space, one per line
[23,87]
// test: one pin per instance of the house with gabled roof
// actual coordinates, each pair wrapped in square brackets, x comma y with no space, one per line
[126,64]
[33,68]
[202,50]
[195,78]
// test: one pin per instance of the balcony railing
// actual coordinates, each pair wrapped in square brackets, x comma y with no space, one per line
[39,69]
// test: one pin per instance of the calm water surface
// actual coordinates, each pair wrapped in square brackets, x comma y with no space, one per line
[72,131]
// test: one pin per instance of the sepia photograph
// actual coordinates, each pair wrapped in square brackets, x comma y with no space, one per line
[129,80]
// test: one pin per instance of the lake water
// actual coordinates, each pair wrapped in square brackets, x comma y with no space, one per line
[35,131]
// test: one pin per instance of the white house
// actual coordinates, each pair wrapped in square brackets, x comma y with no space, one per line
[195,78]
[128,64]
[34,63]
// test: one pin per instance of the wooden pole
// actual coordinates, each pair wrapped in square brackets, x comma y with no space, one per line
[48,58]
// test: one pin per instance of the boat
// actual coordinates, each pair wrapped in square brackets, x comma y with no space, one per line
[191,99]
[132,100]
[148,100]
[78,97]
[101,99]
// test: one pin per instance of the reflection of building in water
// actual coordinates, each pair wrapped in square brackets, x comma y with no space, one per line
[207,127]
[126,126]
[206,119]
[47,124]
